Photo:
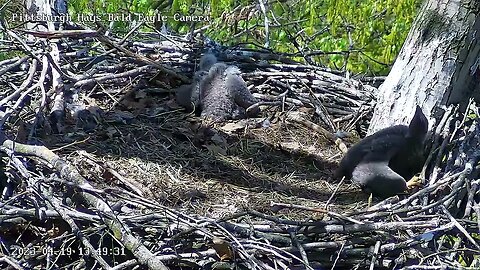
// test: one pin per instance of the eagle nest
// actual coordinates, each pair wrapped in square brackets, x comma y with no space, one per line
[101,168]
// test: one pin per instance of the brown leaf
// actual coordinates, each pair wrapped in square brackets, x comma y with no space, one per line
[223,249]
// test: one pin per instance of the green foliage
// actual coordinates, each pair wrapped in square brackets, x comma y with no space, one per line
[360,36]
[377,29]
[9,55]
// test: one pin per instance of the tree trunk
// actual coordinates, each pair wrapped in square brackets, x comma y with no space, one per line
[437,66]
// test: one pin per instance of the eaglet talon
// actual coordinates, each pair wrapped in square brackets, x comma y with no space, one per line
[414,182]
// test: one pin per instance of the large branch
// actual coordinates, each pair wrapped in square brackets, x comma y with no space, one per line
[119,230]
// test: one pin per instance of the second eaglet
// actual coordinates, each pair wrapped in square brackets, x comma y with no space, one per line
[218,91]
[224,94]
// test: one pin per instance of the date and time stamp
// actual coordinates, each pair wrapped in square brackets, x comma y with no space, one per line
[19,252]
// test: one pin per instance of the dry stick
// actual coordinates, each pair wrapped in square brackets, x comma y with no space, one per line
[55,204]
[467,170]
[276,251]
[343,118]
[338,256]
[183,221]
[376,249]
[348,244]
[270,249]
[119,230]
[16,196]
[133,30]
[465,150]
[170,213]
[462,123]
[184,256]
[16,63]
[24,85]
[241,248]
[436,142]
[384,204]
[413,241]
[368,227]
[54,63]
[26,48]
[58,34]
[12,211]
[458,189]
[17,104]
[385,212]
[422,260]
[130,73]
[166,37]
[265,266]
[247,231]
[332,93]
[434,204]
[320,210]
[143,59]
[132,184]
[9,61]
[120,42]
[427,267]
[416,240]
[300,248]
[460,227]
[71,144]
[436,169]
[319,107]
[349,228]
[263,103]
[43,101]
[282,98]
[201,29]
[58,105]
[359,115]
[334,192]
[296,117]
[358,241]
[11,261]
[442,128]
[75,229]
[270,101]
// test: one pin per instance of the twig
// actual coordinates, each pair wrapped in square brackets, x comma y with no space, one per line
[460,227]
[334,192]
[320,210]
[300,249]
[338,256]
[376,249]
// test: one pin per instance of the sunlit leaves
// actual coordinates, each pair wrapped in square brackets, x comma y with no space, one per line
[373,31]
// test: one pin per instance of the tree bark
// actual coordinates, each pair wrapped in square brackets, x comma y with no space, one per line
[437,66]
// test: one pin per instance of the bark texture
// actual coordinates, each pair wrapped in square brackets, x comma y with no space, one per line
[437,66]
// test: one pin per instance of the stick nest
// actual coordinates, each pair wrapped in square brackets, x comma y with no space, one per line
[139,182]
